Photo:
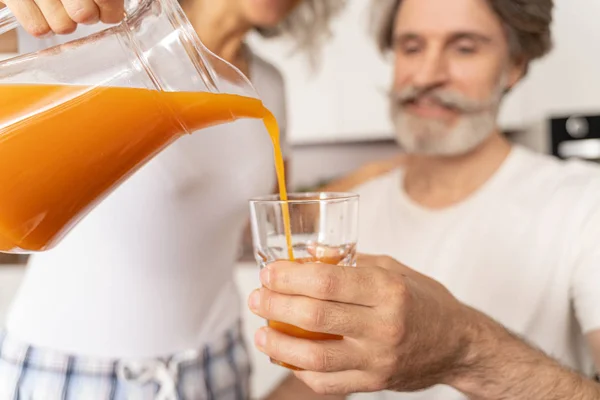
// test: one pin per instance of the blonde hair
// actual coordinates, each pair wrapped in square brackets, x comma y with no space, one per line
[308,25]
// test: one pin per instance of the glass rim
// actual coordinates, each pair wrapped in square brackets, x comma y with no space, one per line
[306,198]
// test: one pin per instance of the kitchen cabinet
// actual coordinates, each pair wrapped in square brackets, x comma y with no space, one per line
[345,98]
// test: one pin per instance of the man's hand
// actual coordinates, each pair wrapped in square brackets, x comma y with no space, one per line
[43,17]
[402,331]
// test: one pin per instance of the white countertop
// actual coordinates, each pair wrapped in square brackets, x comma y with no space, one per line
[10,279]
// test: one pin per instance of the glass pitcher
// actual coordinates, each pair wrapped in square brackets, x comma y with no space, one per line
[77,119]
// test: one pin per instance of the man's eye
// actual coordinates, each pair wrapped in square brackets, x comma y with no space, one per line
[411,49]
[466,47]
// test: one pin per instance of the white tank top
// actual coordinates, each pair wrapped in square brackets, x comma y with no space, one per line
[149,271]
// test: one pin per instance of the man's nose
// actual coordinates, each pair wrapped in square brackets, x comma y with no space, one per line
[432,70]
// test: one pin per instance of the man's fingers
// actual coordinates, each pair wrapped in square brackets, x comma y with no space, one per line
[30,16]
[313,315]
[341,383]
[82,11]
[369,260]
[326,282]
[111,11]
[387,263]
[320,356]
[56,16]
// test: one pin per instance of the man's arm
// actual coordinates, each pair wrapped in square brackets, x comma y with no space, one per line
[405,332]
[501,366]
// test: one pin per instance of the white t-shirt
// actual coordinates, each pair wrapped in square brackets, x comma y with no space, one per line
[149,271]
[523,249]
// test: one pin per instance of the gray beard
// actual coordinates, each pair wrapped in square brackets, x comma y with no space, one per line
[431,137]
[425,136]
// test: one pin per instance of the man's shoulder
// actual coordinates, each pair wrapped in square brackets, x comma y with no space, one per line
[555,172]
[557,180]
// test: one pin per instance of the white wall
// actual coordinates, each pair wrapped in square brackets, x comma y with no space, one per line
[345,98]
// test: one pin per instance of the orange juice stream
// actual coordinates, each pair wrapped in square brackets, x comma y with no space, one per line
[273,129]
[64,148]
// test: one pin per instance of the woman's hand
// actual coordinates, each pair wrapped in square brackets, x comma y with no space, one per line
[46,17]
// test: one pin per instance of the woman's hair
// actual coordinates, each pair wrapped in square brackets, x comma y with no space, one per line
[308,25]
[526,22]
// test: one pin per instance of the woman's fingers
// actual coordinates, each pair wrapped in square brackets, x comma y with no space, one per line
[43,17]
[82,11]
[29,16]
[56,16]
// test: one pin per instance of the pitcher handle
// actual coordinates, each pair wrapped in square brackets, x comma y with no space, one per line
[8,22]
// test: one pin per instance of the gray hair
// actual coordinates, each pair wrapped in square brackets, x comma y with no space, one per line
[526,22]
[308,25]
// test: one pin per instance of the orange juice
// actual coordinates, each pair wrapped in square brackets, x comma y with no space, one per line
[63,148]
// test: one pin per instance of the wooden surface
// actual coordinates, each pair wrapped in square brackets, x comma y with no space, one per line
[12,259]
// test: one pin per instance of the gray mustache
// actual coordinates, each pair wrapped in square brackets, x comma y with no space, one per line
[445,98]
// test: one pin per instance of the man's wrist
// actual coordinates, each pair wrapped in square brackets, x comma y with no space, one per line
[486,343]
[498,364]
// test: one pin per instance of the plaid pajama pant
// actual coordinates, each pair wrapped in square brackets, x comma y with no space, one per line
[219,371]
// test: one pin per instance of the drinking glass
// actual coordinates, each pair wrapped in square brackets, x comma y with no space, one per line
[323,229]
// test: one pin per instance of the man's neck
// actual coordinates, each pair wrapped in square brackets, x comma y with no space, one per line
[438,182]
